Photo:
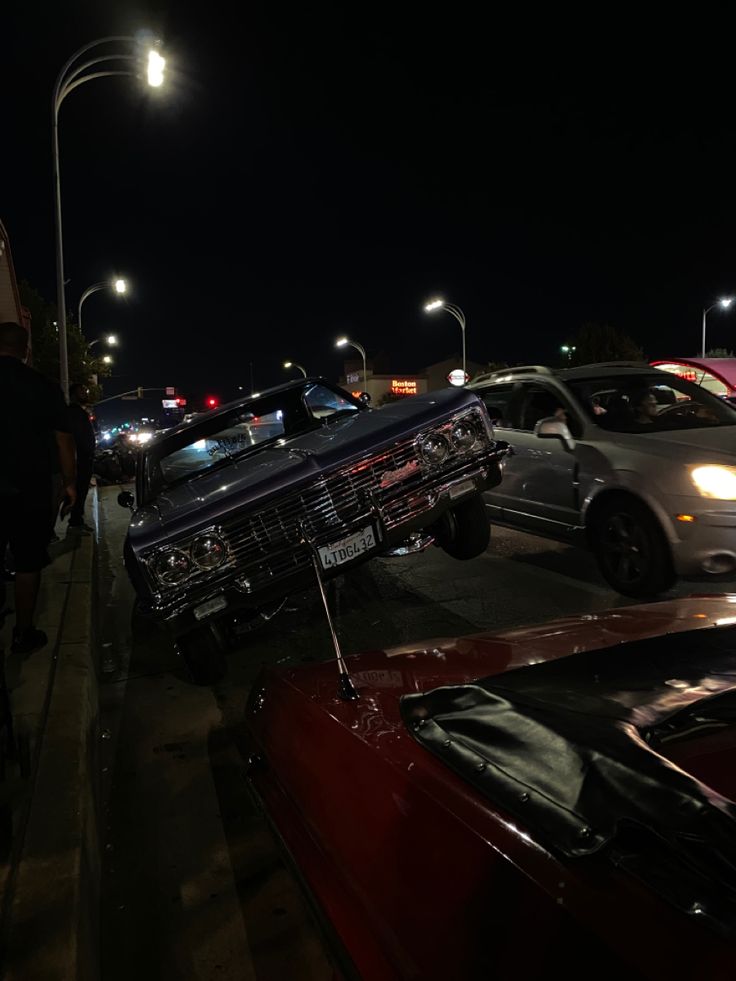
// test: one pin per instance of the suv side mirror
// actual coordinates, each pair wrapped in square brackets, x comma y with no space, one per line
[126,500]
[552,428]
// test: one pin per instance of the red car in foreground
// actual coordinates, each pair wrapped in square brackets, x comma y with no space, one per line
[556,801]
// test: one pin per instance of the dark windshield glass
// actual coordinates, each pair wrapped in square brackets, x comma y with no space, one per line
[639,403]
[269,420]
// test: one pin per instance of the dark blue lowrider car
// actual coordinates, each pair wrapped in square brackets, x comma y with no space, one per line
[234,508]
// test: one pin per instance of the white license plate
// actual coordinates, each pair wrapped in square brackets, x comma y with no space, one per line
[211,606]
[460,489]
[347,549]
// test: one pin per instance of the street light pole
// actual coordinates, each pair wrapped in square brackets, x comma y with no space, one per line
[454,310]
[119,286]
[293,364]
[344,342]
[68,79]
[725,303]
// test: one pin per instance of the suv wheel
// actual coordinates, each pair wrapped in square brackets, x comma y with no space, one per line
[632,552]
[464,531]
[203,652]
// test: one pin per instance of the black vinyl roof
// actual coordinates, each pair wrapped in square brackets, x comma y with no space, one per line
[570,748]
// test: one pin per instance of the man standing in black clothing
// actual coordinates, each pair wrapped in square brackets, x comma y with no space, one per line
[84,439]
[34,421]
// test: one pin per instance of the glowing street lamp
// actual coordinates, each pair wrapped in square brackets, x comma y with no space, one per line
[85,66]
[111,340]
[293,364]
[454,311]
[119,286]
[106,359]
[344,342]
[569,350]
[724,304]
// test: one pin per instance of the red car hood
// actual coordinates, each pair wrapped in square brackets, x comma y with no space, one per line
[380,827]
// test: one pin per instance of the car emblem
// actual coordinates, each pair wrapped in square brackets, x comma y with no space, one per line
[394,476]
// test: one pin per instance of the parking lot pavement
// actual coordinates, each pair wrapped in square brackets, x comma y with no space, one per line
[194,885]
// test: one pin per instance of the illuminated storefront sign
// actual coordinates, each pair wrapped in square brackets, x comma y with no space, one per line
[404,386]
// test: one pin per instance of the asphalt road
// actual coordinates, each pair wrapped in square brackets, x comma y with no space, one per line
[194,884]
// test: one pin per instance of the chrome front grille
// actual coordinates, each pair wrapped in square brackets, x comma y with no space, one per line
[264,543]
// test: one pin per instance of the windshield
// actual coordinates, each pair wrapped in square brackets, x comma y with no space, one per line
[655,403]
[272,419]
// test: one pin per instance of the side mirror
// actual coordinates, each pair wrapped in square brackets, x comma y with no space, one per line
[126,500]
[364,397]
[552,428]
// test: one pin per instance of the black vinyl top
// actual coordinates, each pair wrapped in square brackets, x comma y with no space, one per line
[571,748]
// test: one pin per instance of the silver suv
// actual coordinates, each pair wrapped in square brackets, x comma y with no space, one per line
[635,462]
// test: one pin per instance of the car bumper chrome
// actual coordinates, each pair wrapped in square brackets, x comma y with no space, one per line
[289,568]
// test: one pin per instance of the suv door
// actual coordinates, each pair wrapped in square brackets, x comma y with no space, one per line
[538,491]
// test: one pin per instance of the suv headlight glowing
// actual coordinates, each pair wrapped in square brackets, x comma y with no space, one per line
[434,448]
[464,435]
[172,566]
[715,481]
[208,552]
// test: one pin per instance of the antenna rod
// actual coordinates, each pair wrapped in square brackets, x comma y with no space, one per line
[345,687]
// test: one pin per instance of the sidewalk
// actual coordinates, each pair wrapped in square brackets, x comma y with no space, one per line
[49,864]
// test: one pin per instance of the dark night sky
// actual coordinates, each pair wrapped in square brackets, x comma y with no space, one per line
[313,173]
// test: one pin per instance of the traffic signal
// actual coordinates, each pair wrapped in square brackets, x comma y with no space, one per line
[212,401]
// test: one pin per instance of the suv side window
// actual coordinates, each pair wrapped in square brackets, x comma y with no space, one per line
[540,402]
[497,400]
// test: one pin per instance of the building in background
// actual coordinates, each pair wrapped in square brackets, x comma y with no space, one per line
[10,306]
[387,386]
[717,375]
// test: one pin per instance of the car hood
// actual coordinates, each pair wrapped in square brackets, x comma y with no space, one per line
[688,445]
[272,470]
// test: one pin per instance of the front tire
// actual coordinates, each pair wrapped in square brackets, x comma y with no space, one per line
[203,652]
[631,549]
[464,531]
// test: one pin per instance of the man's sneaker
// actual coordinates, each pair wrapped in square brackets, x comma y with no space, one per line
[28,641]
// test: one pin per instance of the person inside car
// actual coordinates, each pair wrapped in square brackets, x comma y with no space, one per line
[645,406]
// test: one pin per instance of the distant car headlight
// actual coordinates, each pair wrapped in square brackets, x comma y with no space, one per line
[464,435]
[172,567]
[434,448]
[208,551]
[715,481]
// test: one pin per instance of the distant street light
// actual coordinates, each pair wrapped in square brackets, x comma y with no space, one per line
[724,303]
[72,75]
[106,359]
[111,340]
[118,286]
[293,364]
[453,310]
[344,342]
[569,350]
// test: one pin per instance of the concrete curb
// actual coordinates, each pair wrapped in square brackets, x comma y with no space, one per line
[54,917]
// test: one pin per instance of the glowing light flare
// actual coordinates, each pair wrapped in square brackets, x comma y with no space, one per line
[715,481]
[111,339]
[433,305]
[726,302]
[120,286]
[156,65]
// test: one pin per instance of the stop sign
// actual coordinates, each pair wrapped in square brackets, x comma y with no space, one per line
[458,377]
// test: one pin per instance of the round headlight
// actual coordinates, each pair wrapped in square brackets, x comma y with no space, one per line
[172,566]
[464,435]
[434,448]
[208,551]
